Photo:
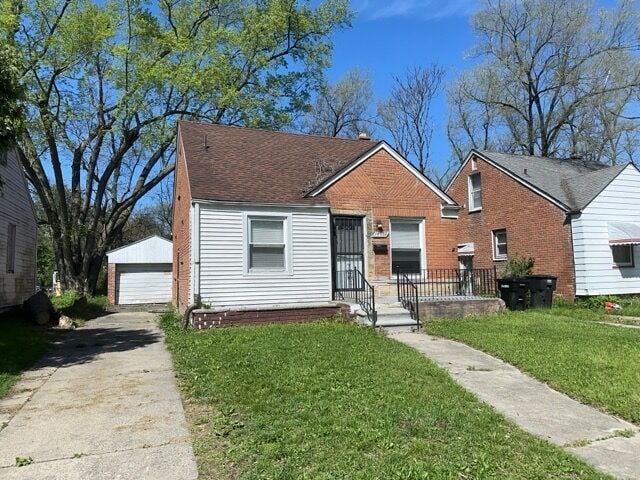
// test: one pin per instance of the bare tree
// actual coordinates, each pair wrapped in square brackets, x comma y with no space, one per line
[342,110]
[406,114]
[554,77]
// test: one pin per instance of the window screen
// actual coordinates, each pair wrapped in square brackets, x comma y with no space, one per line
[475,192]
[622,255]
[406,246]
[11,248]
[266,244]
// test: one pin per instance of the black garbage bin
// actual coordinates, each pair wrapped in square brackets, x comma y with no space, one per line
[541,290]
[514,292]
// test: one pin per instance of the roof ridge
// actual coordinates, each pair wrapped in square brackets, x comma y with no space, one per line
[268,130]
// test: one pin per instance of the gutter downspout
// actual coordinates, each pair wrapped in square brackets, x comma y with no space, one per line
[195,265]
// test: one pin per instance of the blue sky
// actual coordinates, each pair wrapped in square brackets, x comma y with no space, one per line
[389,36]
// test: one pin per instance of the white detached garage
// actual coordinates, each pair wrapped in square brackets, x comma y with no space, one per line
[140,272]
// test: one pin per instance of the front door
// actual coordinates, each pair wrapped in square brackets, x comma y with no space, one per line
[348,252]
[466,275]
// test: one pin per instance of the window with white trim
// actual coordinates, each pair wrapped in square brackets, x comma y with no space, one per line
[11,248]
[622,255]
[499,244]
[475,192]
[406,246]
[267,244]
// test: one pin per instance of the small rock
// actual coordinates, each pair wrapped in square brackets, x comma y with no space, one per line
[66,323]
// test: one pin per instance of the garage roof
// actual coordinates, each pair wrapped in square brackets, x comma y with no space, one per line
[153,249]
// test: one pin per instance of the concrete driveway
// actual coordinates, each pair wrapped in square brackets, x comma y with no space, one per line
[103,404]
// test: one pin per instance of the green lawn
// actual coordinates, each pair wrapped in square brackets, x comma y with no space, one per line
[20,346]
[597,364]
[332,400]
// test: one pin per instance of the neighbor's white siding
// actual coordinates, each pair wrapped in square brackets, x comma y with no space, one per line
[16,208]
[224,281]
[595,271]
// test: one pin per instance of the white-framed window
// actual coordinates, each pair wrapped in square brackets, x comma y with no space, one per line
[267,244]
[11,248]
[406,246]
[622,255]
[500,244]
[475,192]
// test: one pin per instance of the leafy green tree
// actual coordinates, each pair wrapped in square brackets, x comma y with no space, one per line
[106,82]
[10,90]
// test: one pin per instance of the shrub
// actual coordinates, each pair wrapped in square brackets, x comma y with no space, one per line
[518,266]
[597,302]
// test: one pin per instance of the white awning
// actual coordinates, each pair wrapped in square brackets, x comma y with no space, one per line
[624,233]
[466,249]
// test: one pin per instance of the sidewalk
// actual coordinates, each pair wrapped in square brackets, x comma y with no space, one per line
[103,404]
[585,431]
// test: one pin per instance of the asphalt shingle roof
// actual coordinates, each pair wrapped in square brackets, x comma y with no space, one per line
[253,165]
[572,182]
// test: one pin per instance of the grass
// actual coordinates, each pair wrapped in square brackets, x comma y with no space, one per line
[331,400]
[564,347]
[21,344]
[80,309]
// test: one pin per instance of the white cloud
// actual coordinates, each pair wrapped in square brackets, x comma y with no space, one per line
[426,9]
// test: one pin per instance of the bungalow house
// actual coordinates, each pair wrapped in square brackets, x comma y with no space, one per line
[18,234]
[267,220]
[580,220]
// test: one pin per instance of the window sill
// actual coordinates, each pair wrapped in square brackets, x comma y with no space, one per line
[475,210]
[501,259]
[631,265]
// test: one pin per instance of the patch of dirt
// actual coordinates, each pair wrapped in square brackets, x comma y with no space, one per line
[208,445]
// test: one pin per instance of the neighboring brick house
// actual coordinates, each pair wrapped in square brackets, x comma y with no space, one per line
[536,206]
[267,220]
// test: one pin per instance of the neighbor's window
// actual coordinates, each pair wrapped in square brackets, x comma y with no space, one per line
[11,248]
[499,244]
[267,244]
[622,255]
[406,247]
[475,192]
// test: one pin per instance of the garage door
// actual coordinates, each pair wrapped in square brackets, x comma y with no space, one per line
[143,283]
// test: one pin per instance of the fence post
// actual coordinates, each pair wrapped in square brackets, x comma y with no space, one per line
[355,282]
[398,281]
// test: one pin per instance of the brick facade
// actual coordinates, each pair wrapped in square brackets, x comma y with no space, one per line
[203,319]
[535,227]
[181,233]
[380,189]
[111,283]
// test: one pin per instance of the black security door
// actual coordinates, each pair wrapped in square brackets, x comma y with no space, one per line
[348,251]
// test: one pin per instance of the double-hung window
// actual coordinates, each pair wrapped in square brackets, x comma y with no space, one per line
[622,255]
[267,244]
[475,192]
[406,246]
[499,244]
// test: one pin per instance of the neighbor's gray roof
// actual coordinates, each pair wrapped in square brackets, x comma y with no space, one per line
[574,183]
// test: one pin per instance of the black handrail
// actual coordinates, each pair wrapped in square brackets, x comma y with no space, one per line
[408,296]
[352,285]
[451,282]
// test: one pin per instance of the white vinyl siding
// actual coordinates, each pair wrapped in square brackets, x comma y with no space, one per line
[225,279]
[475,192]
[17,244]
[143,283]
[596,271]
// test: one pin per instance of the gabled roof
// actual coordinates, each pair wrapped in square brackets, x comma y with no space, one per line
[252,165]
[238,164]
[569,183]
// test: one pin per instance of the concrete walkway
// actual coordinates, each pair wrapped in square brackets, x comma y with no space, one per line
[586,432]
[103,404]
